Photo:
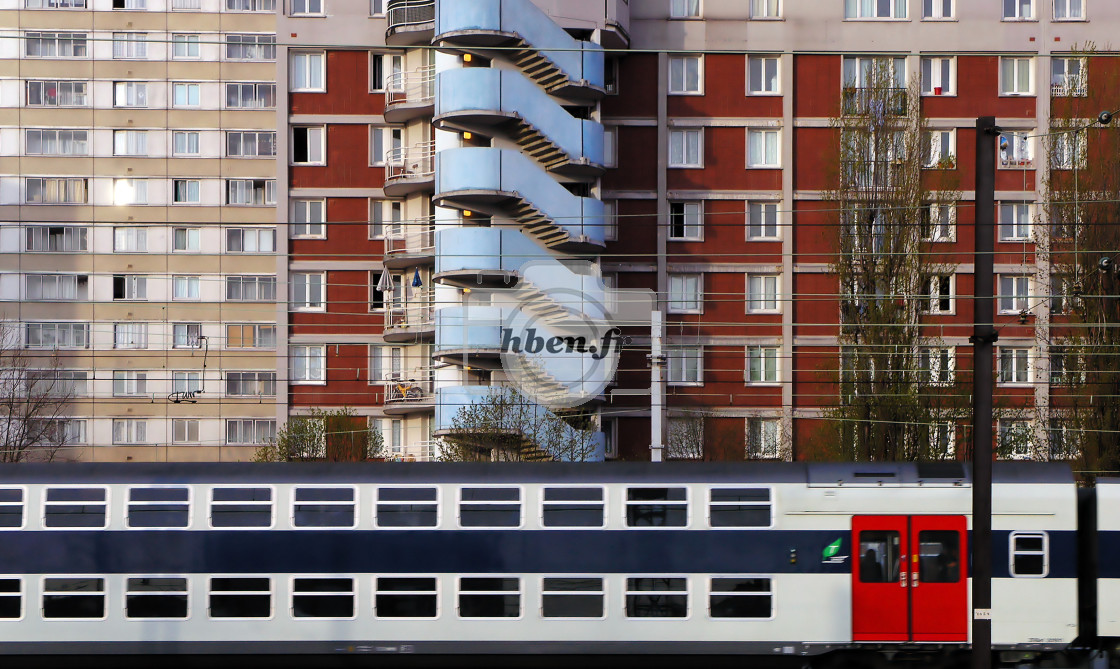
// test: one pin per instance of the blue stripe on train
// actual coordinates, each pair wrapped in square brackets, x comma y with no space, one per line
[454,551]
[1108,554]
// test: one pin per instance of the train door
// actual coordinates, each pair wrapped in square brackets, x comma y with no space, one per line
[908,582]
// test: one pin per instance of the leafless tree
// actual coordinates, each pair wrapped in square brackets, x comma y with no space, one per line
[36,395]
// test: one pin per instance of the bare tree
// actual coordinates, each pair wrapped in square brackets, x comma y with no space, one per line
[334,435]
[36,394]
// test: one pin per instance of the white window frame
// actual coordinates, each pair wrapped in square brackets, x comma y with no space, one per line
[186,424]
[302,374]
[1066,84]
[938,70]
[130,192]
[758,228]
[758,302]
[309,218]
[1014,88]
[691,215]
[130,46]
[940,149]
[867,10]
[130,142]
[302,281]
[769,365]
[766,136]
[930,361]
[682,136]
[1016,149]
[1015,301]
[130,431]
[1068,150]
[181,46]
[1012,10]
[193,191]
[191,283]
[130,94]
[686,9]
[130,335]
[766,10]
[1065,7]
[1005,427]
[130,383]
[679,75]
[932,296]
[316,145]
[187,136]
[314,79]
[1045,553]
[1016,221]
[941,230]
[676,365]
[306,8]
[763,440]
[610,146]
[934,10]
[1022,363]
[686,293]
[767,85]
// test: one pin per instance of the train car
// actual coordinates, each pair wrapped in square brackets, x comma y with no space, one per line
[825,562]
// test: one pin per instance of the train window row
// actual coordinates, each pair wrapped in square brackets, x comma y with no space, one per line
[394,597]
[325,507]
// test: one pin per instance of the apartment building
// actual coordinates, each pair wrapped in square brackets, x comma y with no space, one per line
[138,194]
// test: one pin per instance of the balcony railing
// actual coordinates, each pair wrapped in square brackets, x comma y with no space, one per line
[1068,87]
[412,311]
[410,386]
[875,101]
[410,12]
[416,87]
[421,451]
[415,237]
[412,162]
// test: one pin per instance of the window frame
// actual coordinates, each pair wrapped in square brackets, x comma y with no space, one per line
[695,352]
[354,505]
[626,592]
[272,504]
[684,60]
[939,9]
[762,299]
[710,578]
[686,298]
[765,132]
[45,503]
[300,381]
[762,456]
[1013,92]
[694,231]
[436,592]
[937,66]
[1021,229]
[271,592]
[1014,357]
[687,503]
[763,92]
[43,592]
[319,131]
[309,84]
[675,15]
[1068,17]
[602,592]
[763,16]
[1045,552]
[1017,16]
[521,595]
[522,502]
[542,504]
[855,6]
[21,594]
[761,349]
[684,133]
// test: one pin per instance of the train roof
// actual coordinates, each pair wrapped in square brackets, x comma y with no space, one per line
[813,474]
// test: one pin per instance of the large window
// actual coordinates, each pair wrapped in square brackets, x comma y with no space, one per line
[63,287]
[305,7]
[56,239]
[684,9]
[766,9]
[764,147]
[39,190]
[1014,294]
[128,383]
[127,192]
[875,9]
[130,94]
[185,94]
[308,218]
[55,44]
[250,144]
[251,47]
[762,75]
[185,143]
[323,598]
[250,335]
[1018,10]
[939,149]
[248,95]
[308,145]
[251,6]
[130,431]
[939,75]
[73,598]
[251,384]
[130,45]
[656,597]
[572,597]
[937,294]
[1015,149]
[130,142]
[937,364]
[184,46]
[130,287]
[159,598]
[1015,365]
[1068,77]
[762,364]
[937,10]
[490,507]
[250,432]
[56,94]
[686,293]
[686,365]
[130,335]
[1069,10]
[762,220]
[186,191]
[762,293]
[251,192]
[764,438]
[489,597]
[305,71]
[250,240]
[741,598]
[240,597]
[57,335]
[186,335]
[686,75]
[56,142]
[308,364]
[686,147]
[405,597]
[1016,76]
[1014,221]
[308,290]
[251,288]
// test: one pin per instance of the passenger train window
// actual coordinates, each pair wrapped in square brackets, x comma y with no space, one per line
[1030,554]
[939,556]
[11,598]
[324,507]
[11,508]
[656,507]
[656,598]
[572,597]
[69,598]
[879,555]
[158,507]
[246,597]
[572,507]
[489,597]
[241,507]
[407,507]
[739,507]
[156,597]
[741,598]
[489,507]
[323,598]
[405,597]
[75,507]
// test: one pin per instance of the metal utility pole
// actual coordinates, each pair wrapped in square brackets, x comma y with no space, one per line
[984,336]
[656,388]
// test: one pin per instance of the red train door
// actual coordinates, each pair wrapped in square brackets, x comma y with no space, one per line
[909,582]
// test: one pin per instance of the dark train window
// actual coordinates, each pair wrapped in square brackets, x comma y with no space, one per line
[939,556]
[158,507]
[405,597]
[11,598]
[572,598]
[879,555]
[324,507]
[245,597]
[11,508]
[656,507]
[241,507]
[323,598]
[75,507]
[739,507]
[489,597]
[741,598]
[1030,554]
[656,598]
[156,597]
[489,507]
[572,507]
[73,598]
[407,507]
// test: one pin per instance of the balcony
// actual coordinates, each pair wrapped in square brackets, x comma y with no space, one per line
[469,335]
[409,22]
[410,95]
[421,451]
[1068,86]
[874,101]
[506,182]
[481,99]
[409,391]
[409,169]
[410,318]
[543,51]
[409,243]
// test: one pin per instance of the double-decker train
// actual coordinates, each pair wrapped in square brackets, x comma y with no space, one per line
[842,563]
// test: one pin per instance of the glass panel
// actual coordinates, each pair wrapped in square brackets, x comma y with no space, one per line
[939,553]
[879,552]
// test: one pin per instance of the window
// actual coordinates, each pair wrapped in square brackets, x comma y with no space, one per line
[324,507]
[130,192]
[686,221]
[241,507]
[185,143]
[130,4]
[252,384]
[763,148]
[937,222]
[308,364]
[246,431]
[1015,149]
[57,383]
[376,7]
[186,335]
[57,335]
[942,440]
[130,94]
[185,191]
[130,431]
[656,507]
[250,96]
[1030,554]
[686,75]
[1015,76]
[407,507]
[245,144]
[11,515]
[1062,299]
[184,46]
[489,507]
[656,598]
[251,288]
[186,382]
[250,240]
[130,287]
[572,507]
[308,290]
[75,507]
[937,295]
[1069,10]
[130,142]
[56,239]
[937,9]
[55,45]
[762,293]
[762,220]
[73,598]
[130,335]
[308,218]
[306,7]
[56,94]
[572,597]
[686,293]
[610,146]
[240,597]
[762,75]
[875,9]
[938,75]
[1015,365]
[251,5]
[185,95]
[739,507]
[130,45]
[937,365]
[686,365]
[249,335]
[385,144]
[1067,151]
[764,439]
[1064,365]
[305,72]
[383,67]
[251,192]
[11,598]
[867,71]
[184,431]
[684,9]
[185,240]
[762,364]
[186,4]
[940,150]
[331,598]
[405,597]
[1014,221]
[741,598]
[1068,77]
[686,147]
[56,191]
[160,597]
[251,47]
[489,597]
[766,9]
[1063,445]
[65,287]
[308,145]
[185,288]
[1018,10]
[129,383]
[56,142]
[55,4]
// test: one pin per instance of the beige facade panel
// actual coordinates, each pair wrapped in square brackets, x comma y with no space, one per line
[249,169]
[248,120]
[131,20]
[239,71]
[54,165]
[164,453]
[44,68]
[46,117]
[47,311]
[250,22]
[50,19]
[186,70]
[144,70]
[49,262]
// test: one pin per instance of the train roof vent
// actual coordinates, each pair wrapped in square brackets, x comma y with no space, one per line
[861,474]
[941,470]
